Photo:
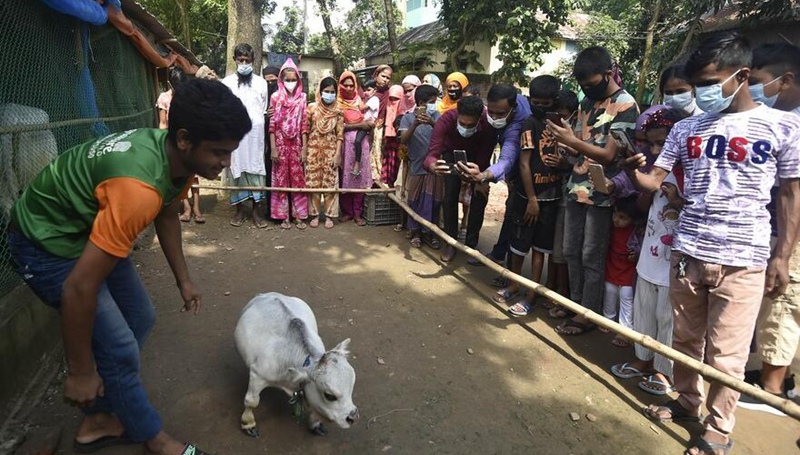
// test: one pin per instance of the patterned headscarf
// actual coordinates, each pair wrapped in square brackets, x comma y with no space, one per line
[435,82]
[392,109]
[448,103]
[408,103]
[325,116]
[350,103]
[645,116]
[289,106]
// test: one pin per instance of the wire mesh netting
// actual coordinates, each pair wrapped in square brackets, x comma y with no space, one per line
[64,82]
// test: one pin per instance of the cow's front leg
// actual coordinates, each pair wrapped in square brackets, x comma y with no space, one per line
[251,400]
[315,424]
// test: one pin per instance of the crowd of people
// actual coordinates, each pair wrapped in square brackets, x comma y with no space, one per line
[656,218]
[678,221]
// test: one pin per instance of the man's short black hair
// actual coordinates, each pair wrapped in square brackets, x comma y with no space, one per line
[502,92]
[778,59]
[567,99]
[675,71]
[473,90]
[728,50]
[470,105]
[271,70]
[209,111]
[243,49]
[424,93]
[590,61]
[545,87]
[371,83]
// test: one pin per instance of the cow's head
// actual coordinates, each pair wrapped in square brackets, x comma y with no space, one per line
[328,387]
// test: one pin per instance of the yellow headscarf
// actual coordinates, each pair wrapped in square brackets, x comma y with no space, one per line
[448,103]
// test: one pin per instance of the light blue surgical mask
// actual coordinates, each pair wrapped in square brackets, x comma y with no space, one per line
[757,92]
[430,108]
[710,98]
[464,131]
[244,68]
[328,98]
[681,101]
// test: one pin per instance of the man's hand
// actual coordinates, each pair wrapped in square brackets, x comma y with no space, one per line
[83,389]
[191,297]
[270,111]
[442,168]
[563,133]
[777,278]
[636,161]
[423,119]
[555,160]
[469,172]
[531,212]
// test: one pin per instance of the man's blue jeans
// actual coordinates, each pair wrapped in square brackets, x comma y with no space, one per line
[122,322]
[587,233]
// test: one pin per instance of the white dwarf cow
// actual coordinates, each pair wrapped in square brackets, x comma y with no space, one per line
[277,337]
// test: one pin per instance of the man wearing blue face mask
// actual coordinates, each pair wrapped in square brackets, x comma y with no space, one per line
[722,263]
[248,167]
[773,81]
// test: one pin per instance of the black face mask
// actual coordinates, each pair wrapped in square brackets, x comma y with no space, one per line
[539,112]
[272,85]
[455,94]
[598,92]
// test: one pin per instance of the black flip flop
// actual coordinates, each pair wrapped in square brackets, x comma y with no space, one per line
[676,413]
[584,328]
[101,443]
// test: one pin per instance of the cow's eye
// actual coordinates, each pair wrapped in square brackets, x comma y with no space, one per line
[330,397]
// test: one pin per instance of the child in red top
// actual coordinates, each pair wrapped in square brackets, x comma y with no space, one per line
[623,252]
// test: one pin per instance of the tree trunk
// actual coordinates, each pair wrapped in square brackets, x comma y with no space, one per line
[648,51]
[244,26]
[390,27]
[183,10]
[331,34]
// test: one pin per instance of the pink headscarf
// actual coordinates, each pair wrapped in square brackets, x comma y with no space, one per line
[408,103]
[392,108]
[289,107]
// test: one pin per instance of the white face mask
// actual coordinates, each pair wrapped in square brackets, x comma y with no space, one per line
[498,123]
[681,101]
[430,108]
[464,131]
[711,98]
[757,92]
[290,86]
[244,68]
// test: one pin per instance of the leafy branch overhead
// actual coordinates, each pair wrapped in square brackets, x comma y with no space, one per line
[522,30]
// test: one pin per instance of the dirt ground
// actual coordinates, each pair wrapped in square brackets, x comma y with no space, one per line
[456,374]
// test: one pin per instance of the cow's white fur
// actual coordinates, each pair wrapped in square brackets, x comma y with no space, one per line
[275,336]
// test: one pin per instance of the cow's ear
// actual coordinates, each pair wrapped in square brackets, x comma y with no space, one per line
[298,376]
[342,348]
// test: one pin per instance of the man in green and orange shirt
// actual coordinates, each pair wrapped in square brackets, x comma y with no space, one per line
[70,236]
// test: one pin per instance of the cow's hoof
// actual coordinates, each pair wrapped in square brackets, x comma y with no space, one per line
[319,429]
[252,432]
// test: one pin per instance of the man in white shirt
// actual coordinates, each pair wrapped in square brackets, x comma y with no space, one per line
[247,162]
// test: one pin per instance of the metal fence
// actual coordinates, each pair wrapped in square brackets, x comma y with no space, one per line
[64,82]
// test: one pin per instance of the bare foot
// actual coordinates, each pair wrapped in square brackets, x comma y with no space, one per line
[96,426]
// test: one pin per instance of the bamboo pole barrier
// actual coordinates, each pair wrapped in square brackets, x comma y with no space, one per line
[708,372]
[296,190]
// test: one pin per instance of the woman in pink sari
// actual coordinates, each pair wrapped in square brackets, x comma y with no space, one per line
[351,104]
[288,136]
[390,161]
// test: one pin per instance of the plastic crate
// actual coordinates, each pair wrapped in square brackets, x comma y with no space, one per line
[380,210]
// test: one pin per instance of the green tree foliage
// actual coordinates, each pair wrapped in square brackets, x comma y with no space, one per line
[522,29]
[287,36]
[364,30]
